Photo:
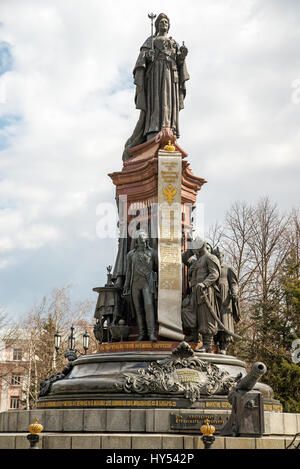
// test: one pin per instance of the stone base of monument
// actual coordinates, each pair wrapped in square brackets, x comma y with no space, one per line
[134,429]
[149,375]
[153,395]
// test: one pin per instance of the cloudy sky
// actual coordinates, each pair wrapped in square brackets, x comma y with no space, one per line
[66,110]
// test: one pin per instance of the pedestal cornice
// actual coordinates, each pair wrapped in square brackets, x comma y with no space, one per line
[138,178]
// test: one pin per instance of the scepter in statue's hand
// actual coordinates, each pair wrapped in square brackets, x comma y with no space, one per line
[150,53]
[152,16]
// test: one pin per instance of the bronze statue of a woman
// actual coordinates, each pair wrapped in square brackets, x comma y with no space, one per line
[159,75]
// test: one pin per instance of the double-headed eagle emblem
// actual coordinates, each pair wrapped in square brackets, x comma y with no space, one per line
[169,193]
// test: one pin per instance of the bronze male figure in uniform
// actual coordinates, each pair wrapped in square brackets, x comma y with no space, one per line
[139,283]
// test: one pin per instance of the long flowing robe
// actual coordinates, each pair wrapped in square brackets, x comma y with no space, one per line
[207,271]
[160,89]
[228,286]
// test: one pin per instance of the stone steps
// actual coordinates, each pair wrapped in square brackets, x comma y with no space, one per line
[137,441]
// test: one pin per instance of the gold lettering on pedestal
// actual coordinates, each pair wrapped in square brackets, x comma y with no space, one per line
[169,245]
[169,279]
[188,376]
[218,405]
[169,176]
[107,403]
[186,421]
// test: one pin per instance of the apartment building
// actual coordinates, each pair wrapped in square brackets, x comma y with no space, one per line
[12,375]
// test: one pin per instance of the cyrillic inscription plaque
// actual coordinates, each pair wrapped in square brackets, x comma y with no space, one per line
[194,421]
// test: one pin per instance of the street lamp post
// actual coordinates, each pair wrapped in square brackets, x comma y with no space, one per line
[71,339]
[71,353]
[57,340]
[86,341]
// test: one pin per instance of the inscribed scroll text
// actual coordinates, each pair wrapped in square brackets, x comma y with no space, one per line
[169,245]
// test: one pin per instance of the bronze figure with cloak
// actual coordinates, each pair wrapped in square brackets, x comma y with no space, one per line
[228,300]
[159,76]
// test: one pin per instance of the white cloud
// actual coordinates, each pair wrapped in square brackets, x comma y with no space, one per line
[71,88]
